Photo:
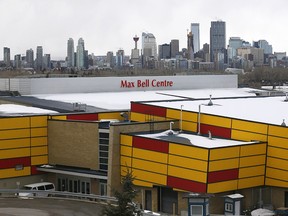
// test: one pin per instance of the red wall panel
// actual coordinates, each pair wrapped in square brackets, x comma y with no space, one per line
[34,171]
[148,109]
[216,131]
[223,175]
[184,184]
[83,117]
[12,162]
[150,144]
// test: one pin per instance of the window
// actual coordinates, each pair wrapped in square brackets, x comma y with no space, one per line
[196,210]
[103,187]
[228,207]
[103,149]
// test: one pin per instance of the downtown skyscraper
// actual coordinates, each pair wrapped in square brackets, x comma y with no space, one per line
[217,39]
[80,54]
[39,58]
[196,36]
[70,53]
[7,60]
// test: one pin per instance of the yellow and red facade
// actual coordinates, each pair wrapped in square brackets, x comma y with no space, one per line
[222,169]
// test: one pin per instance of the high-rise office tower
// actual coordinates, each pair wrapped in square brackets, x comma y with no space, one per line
[149,46]
[196,36]
[190,47]
[70,53]
[264,45]
[120,58]
[110,59]
[217,39]
[30,58]
[80,54]
[17,61]
[47,62]
[7,60]
[39,58]
[164,51]
[174,46]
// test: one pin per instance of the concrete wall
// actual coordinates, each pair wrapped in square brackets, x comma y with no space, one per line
[112,84]
[73,144]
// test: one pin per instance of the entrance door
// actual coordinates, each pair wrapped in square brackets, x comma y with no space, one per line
[148,200]
[169,200]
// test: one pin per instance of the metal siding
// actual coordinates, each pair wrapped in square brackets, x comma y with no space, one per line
[251,182]
[247,136]
[150,144]
[38,141]
[223,164]
[251,171]
[187,185]
[188,163]
[14,143]
[252,161]
[38,121]
[249,126]
[215,131]
[215,120]
[149,166]
[126,140]
[253,149]
[278,131]
[192,175]
[150,155]
[188,151]
[222,186]
[224,153]
[39,160]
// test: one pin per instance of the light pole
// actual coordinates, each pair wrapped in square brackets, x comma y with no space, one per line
[199,119]
[181,118]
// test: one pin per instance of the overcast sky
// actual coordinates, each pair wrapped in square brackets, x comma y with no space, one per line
[107,25]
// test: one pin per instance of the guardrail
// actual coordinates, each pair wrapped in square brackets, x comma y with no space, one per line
[57,194]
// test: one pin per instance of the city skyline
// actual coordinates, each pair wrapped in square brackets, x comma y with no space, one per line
[108,25]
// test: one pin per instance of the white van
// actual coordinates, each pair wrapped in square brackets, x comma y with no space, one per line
[33,188]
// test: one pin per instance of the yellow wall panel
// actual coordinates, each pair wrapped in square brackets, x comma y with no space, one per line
[277,152]
[187,174]
[126,140]
[188,151]
[58,117]
[150,177]
[14,134]
[251,171]
[249,126]
[278,142]
[149,166]
[247,136]
[253,149]
[38,132]
[277,163]
[188,163]
[38,141]
[14,143]
[142,183]
[14,153]
[126,161]
[189,126]
[150,155]
[252,161]
[126,150]
[42,150]
[276,183]
[223,164]
[222,186]
[176,114]
[224,153]
[14,123]
[215,120]
[39,121]
[277,174]
[278,131]
[39,160]
[138,117]
[251,182]
[10,173]
[112,115]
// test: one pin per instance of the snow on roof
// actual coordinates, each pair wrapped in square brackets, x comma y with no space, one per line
[121,100]
[195,140]
[235,196]
[19,109]
[262,109]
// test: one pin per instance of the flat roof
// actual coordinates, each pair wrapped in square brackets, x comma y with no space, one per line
[195,140]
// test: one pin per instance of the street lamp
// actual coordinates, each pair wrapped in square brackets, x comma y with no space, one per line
[181,118]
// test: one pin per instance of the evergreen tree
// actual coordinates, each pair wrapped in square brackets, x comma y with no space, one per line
[125,205]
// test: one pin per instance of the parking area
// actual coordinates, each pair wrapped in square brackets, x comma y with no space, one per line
[48,207]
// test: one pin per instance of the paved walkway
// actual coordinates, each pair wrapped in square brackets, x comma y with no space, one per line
[47,207]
